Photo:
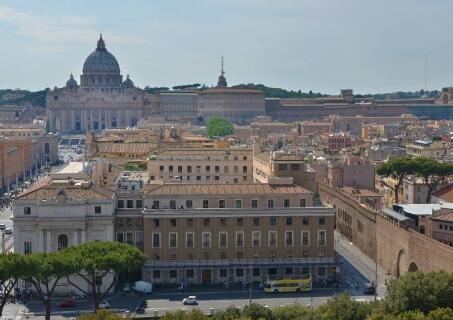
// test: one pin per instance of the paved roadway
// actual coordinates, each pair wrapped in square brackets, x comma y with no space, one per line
[361,263]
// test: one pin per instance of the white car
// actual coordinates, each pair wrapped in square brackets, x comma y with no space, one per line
[191,300]
[104,305]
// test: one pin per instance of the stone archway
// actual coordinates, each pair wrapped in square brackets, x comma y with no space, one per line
[62,242]
[412,267]
[401,263]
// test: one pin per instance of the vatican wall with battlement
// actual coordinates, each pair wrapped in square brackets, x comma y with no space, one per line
[397,249]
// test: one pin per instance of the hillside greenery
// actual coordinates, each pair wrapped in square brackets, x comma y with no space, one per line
[38,98]
[270,92]
[23,97]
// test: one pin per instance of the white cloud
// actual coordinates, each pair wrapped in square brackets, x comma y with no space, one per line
[58,30]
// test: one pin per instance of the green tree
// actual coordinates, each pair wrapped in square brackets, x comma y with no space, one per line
[291,312]
[230,313]
[44,271]
[96,260]
[195,314]
[397,169]
[100,315]
[11,269]
[185,86]
[419,291]
[440,314]
[219,127]
[257,311]
[343,308]
[433,173]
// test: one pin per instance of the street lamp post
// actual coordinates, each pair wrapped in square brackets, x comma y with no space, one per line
[375,280]
[251,282]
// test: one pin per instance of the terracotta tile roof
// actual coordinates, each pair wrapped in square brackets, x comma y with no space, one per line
[446,216]
[197,189]
[76,191]
[445,194]
[288,157]
[126,147]
[264,156]
[203,151]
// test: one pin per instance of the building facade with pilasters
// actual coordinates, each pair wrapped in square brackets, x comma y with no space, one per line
[62,213]
[102,100]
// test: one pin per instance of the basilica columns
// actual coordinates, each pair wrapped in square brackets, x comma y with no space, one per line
[49,242]
[76,237]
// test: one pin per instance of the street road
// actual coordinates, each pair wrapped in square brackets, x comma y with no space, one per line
[359,263]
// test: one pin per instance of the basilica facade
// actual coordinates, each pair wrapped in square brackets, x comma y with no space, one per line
[102,100]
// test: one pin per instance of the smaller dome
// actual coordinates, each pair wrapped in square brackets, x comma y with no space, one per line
[71,83]
[128,84]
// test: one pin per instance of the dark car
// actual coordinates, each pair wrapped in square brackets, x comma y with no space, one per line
[369,290]
[69,303]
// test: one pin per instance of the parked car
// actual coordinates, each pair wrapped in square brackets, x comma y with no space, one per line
[69,303]
[369,290]
[190,300]
[104,304]
[8,231]
[2,226]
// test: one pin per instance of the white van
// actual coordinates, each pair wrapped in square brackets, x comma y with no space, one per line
[143,287]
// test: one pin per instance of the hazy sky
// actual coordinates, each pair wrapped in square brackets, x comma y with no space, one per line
[319,45]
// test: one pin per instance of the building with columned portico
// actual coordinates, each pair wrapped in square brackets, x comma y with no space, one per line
[101,100]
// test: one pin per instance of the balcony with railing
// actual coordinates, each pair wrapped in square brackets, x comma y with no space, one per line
[238,263]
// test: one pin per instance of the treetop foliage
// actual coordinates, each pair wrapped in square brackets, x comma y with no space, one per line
[98,255]
[219,127]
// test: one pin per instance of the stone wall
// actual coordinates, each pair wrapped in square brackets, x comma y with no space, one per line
[397,250]
[349,215]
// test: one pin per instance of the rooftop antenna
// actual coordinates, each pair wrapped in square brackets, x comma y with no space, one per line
[221,71]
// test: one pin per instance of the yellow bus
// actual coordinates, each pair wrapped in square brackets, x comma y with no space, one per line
[302,284]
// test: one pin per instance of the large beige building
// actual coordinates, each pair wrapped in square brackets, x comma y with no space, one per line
[235,233]
[237,105]
[427,149]
[201,165]
[178,105]
[21,156]
[275,166]
[102,100]
[197,232]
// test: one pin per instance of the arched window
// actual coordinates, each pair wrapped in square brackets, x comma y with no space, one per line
[62,241]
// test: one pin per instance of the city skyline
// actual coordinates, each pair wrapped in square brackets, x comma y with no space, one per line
[330,45]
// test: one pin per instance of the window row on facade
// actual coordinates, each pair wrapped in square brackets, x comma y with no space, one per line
[223,203]
[204,169]
[240,222]
[239,241]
